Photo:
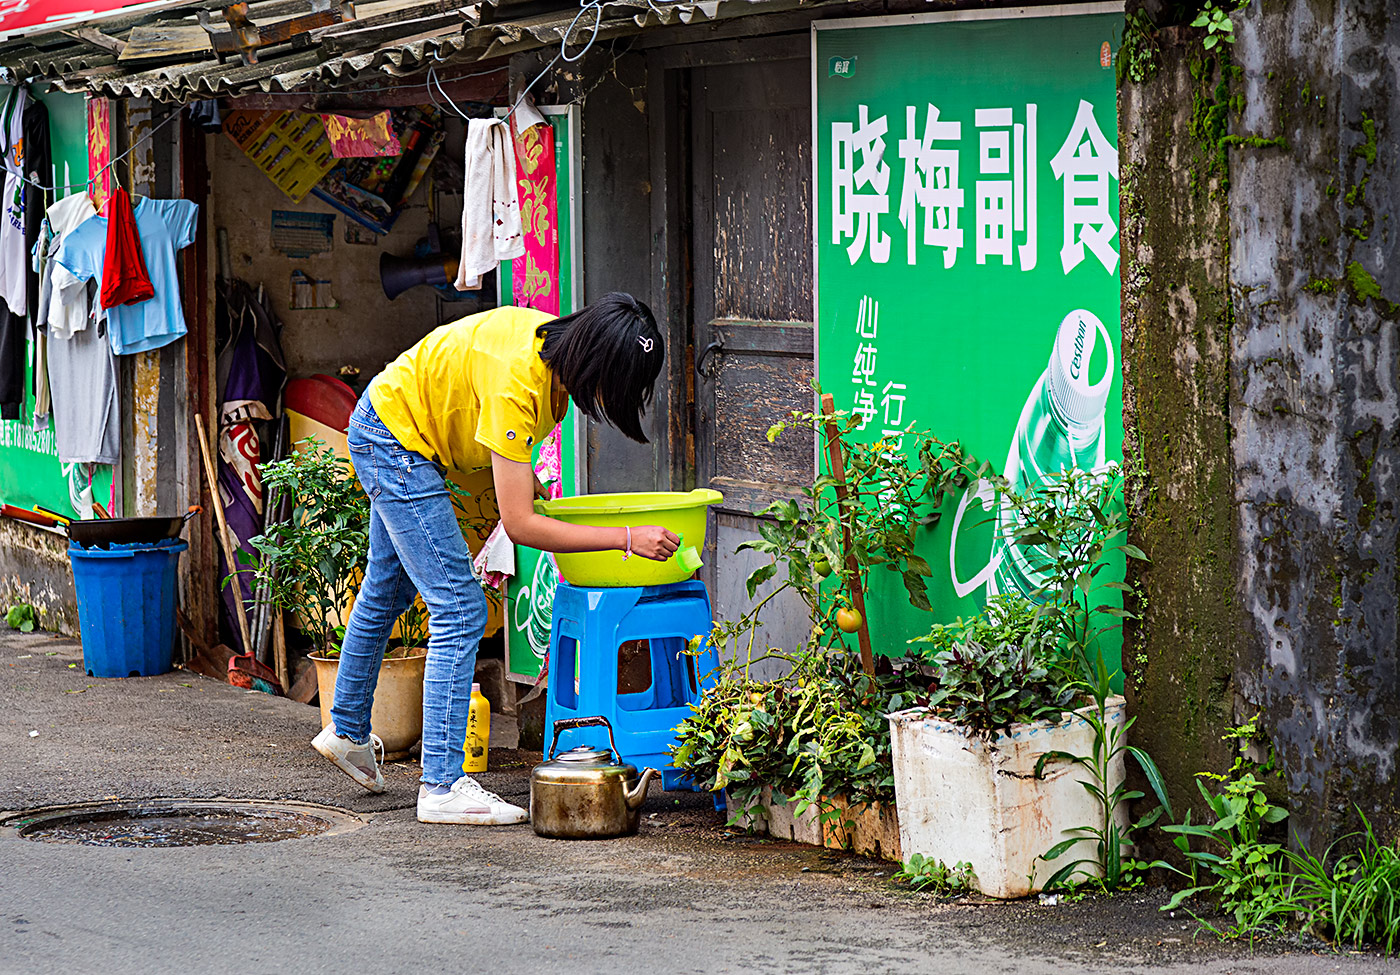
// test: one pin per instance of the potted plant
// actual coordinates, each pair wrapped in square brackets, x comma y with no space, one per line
[1014,761]
[1017,696]
[311,565]
[967,756]
[807,756]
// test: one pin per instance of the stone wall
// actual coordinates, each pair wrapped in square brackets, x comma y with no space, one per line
[1176,399]
[1260,362]
[34,569]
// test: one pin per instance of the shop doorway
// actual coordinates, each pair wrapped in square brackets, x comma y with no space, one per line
[749,149]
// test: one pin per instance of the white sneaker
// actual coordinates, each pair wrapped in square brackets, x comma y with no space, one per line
[467,802]
[355,760]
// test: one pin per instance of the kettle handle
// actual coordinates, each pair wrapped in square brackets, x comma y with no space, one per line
[564,724]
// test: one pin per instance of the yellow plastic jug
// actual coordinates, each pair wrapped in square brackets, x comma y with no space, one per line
[478,732]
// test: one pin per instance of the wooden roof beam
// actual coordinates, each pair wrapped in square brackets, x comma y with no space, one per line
[246,38]
[93,36]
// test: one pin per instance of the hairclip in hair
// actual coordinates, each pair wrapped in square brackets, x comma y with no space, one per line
[646,343]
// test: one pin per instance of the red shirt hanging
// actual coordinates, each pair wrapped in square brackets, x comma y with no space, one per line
[124,277]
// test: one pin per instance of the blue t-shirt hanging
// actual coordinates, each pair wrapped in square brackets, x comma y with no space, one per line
[165,226]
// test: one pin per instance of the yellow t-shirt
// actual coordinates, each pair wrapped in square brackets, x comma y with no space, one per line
[470,388]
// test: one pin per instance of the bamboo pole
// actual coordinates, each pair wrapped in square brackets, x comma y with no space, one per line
[279,649]
[223,531]
[838,473]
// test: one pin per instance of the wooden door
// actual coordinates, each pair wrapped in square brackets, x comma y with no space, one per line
[751,191]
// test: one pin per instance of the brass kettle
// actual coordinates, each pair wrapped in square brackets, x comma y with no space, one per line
[584,794]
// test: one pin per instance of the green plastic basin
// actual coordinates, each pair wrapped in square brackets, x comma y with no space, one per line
[682,512]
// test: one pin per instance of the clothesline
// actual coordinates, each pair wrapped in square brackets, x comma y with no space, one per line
[97,175]
[432,79]
[584,7]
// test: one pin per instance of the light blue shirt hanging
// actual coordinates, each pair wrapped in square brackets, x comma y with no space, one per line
[165,227]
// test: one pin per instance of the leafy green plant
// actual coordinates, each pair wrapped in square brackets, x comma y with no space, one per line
[1249,876]
[1023,658]
[821,729]
[996,669]
[1111,866]
[22,617]
[1216,20]
[737,735]
[922,873]
[312,563]
[1071,523]
[828,544]
[413,625]
[1351,898]
[1350,895]
[1244,870]
[1137,55]
[1007,619]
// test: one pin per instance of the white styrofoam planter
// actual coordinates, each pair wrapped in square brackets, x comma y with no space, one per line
[965,798]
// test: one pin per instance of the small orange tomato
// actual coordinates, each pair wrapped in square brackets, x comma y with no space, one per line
[848,620]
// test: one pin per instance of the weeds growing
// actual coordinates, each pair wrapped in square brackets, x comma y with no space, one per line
[926,873]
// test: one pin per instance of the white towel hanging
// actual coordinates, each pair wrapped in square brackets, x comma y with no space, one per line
[491,230]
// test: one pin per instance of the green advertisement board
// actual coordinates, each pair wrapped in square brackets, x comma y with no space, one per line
[966,203]
[530,592]
[30,472]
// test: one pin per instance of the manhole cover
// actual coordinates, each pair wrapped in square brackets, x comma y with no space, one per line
[178,822]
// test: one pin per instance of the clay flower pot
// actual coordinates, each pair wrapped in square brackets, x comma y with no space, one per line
[397,715]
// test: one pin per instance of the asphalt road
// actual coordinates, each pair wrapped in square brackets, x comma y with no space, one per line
[391,895]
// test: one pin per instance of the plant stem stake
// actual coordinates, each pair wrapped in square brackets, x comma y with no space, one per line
[838,473]
[223,529]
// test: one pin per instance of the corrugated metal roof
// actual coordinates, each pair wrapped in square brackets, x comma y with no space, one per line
[389,39]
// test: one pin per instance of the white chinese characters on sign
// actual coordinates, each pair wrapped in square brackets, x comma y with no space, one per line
[931,183]
[893,402]
[864,406]
[863,369]
[860,192]
[1005,201]
[1084,164]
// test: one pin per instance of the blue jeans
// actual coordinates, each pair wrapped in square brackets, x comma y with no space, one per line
[415,544]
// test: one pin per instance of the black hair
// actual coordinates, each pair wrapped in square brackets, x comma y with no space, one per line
[608,356]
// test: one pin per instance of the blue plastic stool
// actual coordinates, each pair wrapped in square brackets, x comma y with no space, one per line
[589,628]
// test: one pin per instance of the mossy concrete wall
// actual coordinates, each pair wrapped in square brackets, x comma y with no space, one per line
[34,569]
[1260,373]
[1180,660]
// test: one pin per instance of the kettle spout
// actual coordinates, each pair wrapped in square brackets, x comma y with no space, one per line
[635,797]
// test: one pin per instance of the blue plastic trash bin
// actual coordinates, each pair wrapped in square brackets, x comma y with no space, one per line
[126,606]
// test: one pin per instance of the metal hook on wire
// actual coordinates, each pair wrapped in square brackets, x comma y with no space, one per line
[433,80]
[584,6]
[597,7]
[520,99]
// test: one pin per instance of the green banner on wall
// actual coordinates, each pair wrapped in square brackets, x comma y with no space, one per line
[529,605]
[30,472]
[967,259]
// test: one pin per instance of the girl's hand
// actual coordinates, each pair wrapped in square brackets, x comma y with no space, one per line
[654,542]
